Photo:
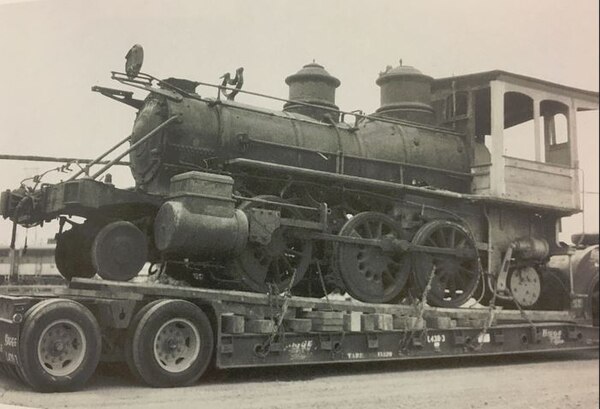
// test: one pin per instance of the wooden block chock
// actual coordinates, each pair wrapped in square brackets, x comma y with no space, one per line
[325,321]
[439,322]
[399,321]
[384,322]
[298,324]
[408,323]
[414,323]
[472,322]
[259,326]
[232,324]
[352,321]
[367,322]
[324,315]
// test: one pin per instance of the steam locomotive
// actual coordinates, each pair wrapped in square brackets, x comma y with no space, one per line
[405,202]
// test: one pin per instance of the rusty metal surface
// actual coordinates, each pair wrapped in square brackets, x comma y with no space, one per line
[376,150]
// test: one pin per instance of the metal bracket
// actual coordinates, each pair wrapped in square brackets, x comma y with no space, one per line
[459,338]
[226,345]
[503,274]
[116,314]
[372,341]
[263,223]
[126,97]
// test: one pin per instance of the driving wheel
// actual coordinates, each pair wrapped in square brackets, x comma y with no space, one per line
[369,273]
[455,273]
[261,265]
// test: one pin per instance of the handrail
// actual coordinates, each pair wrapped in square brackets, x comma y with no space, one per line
[134,146]
[98,159]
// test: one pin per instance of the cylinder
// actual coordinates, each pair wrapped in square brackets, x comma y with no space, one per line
[531,248]
[179,231]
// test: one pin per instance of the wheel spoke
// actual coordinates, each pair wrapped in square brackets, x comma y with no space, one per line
[289,268]
[451,285]
[276,270]
[452,238]
[467,272]
[461,243]
[431,241]
[386,273]
[356,234]
[458,278]
[442,237]
[379,230]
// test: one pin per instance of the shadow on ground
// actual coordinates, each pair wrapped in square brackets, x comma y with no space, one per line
[119,375]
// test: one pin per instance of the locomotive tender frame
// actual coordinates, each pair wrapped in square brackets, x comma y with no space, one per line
[417,202]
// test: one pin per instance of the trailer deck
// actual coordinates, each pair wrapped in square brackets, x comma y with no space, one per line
[251,330]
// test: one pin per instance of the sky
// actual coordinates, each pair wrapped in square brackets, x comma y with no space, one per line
[53,51]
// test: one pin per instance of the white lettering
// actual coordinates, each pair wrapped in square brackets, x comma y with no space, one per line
[299,350]
[554,336]
[436,338]
[10,341]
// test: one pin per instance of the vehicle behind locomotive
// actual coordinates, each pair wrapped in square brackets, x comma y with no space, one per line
[418,196]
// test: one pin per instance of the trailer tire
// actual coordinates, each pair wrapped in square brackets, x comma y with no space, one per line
[128,349]
[172,344]
[13,372]
[60,346]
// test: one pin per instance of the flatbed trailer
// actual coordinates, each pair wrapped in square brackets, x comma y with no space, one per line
[52,337]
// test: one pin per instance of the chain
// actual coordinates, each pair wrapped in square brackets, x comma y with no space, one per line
[323,285]
[423,302]
[287,295]
[521,310]
[488,322]
[420,309]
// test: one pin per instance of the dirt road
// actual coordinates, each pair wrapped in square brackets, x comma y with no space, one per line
[558,380]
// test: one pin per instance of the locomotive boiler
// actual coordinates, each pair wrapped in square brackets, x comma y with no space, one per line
[310,199]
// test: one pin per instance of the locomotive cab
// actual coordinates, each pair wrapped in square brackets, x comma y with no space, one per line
[523,135]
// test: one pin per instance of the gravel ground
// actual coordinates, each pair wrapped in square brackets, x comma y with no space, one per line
[555,380]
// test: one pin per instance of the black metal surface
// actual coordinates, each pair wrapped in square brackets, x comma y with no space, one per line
[293,349]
